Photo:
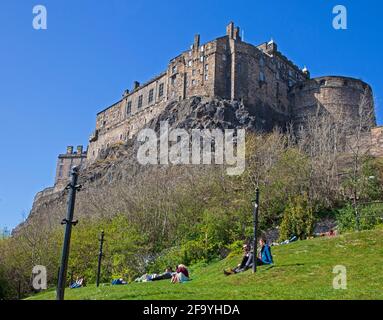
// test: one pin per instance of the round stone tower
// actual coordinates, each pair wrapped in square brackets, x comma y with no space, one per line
[341,97]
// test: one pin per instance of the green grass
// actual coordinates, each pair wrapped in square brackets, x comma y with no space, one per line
[302,270]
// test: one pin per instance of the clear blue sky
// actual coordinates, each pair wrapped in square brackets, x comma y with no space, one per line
[53,82]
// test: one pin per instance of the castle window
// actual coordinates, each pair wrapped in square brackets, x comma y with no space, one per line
[161,90]
[173,79]
[129,108]
[206,77]
[202,58]
[224,58]
[193,72]
[193,82]
[139,104]
[174,69]
[202,48]
[60,171]
[190,63]
[206,67]
[151,95]
[277,76]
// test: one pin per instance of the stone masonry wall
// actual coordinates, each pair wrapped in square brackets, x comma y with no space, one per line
[339,96]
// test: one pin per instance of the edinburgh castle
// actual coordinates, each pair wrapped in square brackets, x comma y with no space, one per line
[273,89]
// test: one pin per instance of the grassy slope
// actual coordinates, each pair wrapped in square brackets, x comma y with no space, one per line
[303,270]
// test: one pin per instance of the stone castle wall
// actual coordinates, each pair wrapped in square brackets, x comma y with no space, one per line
[340,96]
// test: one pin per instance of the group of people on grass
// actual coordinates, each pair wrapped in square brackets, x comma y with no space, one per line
[264,257]
[181,274]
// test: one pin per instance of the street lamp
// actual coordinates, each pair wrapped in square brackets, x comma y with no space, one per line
[255,225]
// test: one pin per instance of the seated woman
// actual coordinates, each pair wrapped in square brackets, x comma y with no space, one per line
[265,256]
[181,274]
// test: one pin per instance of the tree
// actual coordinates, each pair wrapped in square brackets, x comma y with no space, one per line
[298,219]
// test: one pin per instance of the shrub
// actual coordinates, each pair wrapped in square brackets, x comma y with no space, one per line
[298,219]
[369,217]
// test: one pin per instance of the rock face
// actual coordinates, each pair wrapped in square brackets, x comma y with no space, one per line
[203,113]
[207,113]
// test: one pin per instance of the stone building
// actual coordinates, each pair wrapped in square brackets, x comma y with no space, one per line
[66,162]
[269,84]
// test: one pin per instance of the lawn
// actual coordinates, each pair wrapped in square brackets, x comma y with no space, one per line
[302,270]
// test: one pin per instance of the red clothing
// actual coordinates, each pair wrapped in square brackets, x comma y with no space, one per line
[183,270]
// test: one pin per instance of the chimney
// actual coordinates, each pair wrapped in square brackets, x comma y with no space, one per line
[230,30]
[79,149]
[126,92]
[136,84]
[196,41]
[237,35]
[69,149]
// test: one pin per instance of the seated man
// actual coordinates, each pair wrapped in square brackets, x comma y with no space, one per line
[246,260]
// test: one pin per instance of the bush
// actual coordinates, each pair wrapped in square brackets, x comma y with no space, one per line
[369,217]
[298,219]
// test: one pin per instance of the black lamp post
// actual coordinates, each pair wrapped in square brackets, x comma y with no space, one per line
[255,221]
[72,187]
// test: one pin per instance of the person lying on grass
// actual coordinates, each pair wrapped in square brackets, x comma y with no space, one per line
[166,275]
[119,281]
[264,257]
[80,282]
[155,277]
[181,274]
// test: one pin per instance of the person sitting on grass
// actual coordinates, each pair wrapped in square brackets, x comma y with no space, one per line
[246,260]
[263,258]
[181,275]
